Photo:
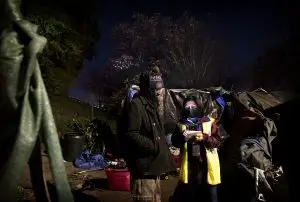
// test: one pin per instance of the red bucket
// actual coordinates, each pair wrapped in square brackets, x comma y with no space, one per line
[118,179]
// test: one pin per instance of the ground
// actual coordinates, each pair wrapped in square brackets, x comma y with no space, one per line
[100,193]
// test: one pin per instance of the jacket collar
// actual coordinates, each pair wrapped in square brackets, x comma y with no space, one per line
[146,102]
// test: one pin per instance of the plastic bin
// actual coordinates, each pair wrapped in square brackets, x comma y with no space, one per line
[118,179]
[72,145]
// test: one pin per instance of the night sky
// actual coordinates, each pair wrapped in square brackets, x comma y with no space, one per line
[246,29]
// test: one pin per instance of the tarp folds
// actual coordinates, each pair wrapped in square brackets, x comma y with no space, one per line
[213,100]
[262,99]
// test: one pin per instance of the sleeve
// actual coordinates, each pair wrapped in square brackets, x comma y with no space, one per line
[170,127]
[213,141]
[177,137]
[132,136]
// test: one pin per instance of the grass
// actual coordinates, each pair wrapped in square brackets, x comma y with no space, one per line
[66,109]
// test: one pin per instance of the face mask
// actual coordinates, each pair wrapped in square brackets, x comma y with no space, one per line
[191,112]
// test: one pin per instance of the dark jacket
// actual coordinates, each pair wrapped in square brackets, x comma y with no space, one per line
[144,142]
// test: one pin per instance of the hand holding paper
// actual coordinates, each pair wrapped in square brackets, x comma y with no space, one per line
[193,133]
[199,137]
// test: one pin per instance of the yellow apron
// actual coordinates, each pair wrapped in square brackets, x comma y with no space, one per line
[213,163]
[183,175]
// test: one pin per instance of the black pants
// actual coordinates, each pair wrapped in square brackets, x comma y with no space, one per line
[195,193]
[206,193]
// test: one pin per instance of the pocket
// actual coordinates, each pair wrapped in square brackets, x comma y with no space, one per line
[142,163]
[144,190]
[145,163]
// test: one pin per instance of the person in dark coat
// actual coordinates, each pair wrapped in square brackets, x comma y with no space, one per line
[148,155]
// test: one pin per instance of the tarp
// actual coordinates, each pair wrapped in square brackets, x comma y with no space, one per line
[87,160]
[243,117]
[264,100]
[26,114]
[212,100]
[259,99]
[220,103]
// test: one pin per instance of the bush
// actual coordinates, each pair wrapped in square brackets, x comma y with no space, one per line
[98,134]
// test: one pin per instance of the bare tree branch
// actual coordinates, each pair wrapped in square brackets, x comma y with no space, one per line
[183,44]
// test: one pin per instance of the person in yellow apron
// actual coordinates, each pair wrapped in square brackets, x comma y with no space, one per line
[198,138]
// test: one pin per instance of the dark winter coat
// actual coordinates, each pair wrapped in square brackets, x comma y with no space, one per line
[143,140]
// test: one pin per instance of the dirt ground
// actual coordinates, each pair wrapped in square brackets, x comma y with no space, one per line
[99,192]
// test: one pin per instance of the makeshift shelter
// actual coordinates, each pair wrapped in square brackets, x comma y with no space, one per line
[248,120]
[248,133]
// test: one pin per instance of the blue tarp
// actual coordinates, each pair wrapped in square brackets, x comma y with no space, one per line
[90,161]
[221,102]
[131,92]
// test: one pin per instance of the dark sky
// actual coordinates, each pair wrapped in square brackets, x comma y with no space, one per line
[246,28]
